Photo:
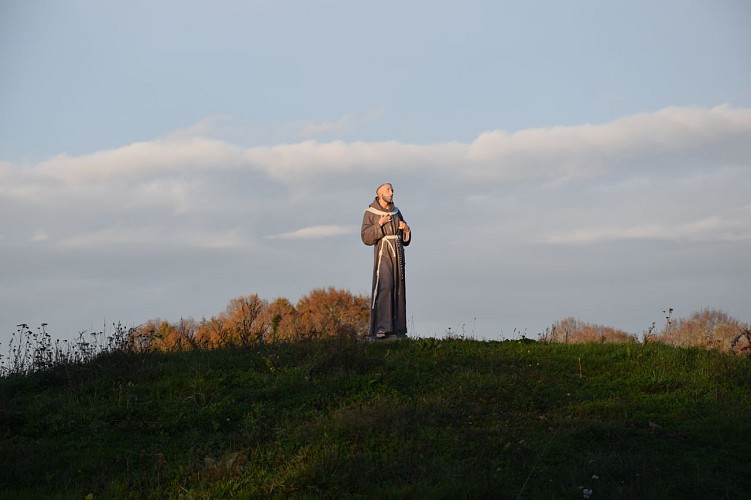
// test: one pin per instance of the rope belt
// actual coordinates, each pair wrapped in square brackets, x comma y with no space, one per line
[385,241]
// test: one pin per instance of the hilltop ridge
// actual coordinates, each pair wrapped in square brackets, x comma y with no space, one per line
[413,418]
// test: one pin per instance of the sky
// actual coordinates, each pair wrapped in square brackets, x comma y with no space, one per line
[554,159]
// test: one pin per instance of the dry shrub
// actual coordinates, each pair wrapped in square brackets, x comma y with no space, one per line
[709,328]
[331,312]
[242,319]
[573,331]
[741,344]
[280,320]
[251,320]
[160,335]
[212,333]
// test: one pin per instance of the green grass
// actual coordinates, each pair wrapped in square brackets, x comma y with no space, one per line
[409,419]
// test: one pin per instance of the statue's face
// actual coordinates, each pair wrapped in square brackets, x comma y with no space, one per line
[386,193]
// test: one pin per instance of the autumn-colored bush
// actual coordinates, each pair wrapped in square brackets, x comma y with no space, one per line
[252,320]
[331,312]
[741,344]
[211,333]
[710,328]
[280,320]
[574,331]
[154,335]
[242,320]
[160,335]
[240,324]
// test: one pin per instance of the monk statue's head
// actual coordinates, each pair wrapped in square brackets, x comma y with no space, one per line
[385,193]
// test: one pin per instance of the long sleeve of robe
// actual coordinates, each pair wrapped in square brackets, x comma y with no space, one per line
[388,312]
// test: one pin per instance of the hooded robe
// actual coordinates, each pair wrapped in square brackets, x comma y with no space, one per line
[388,310]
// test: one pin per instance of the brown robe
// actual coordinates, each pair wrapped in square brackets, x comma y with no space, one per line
[388,310]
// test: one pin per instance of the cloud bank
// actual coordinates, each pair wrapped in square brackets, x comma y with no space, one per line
[682,136]
[314,232]
[186,173]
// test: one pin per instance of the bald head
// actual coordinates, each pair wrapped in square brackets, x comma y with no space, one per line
[382,186]
[385,194]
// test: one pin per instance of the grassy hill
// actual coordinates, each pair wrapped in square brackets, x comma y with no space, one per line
[408,419]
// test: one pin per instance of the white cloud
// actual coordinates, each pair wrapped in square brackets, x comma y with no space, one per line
[213,127]
[155,237]
[141,160]
[315,232]
[6,170]
[565,153]
[666,138]
[671,138]
[294,163]
[317,129]
[712,228]
[179,195]
[345,124]
[223,127]
[214,185]
[39,237]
